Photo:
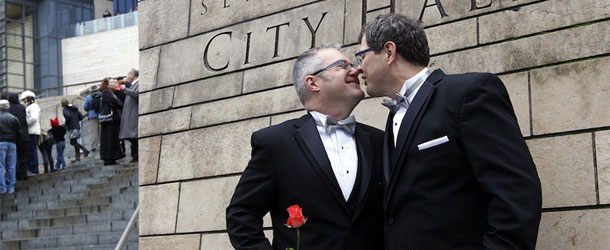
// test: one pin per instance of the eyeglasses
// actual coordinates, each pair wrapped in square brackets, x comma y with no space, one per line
[360,55]
[341,63]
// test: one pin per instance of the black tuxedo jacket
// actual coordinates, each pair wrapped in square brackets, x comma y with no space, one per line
[479,190]
[289,166]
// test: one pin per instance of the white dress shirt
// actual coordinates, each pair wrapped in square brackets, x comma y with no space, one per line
[340,147]
[400,114]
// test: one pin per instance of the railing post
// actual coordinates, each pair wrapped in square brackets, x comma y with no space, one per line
[128,229]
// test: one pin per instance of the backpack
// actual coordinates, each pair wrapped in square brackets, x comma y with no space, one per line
[96,102]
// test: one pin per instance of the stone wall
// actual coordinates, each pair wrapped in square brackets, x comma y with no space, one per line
[213,72]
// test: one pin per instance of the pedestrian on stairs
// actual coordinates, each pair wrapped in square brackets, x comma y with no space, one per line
[18,110]
[45,145]
[92,106]
[9,134]
[73,117]
[129,118]
[32,111]
[111,148]
[59,132]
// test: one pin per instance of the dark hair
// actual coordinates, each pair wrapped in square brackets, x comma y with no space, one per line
[104,84]
[406,33]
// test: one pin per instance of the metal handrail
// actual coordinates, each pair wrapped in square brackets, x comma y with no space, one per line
[63,87]
[128,229]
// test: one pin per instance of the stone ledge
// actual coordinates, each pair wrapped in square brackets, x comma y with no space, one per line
[246,106]
[207,152]
[149,62]
[454,10]
[543,16]
[565,167]
[162,21]
[182,242]
[602,149]
[571,96]
[158,217]
[584,229]
[209,89]
[149,149]
[579,42]
[196,214]
[156,100]
[165,122]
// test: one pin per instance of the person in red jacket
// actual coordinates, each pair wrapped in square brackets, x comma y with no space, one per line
[58,132]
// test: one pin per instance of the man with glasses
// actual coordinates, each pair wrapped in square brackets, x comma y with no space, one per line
[324,162]
[457,172]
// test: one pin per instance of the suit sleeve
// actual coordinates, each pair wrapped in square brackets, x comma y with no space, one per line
[502,165]
[252,200]
[133,91]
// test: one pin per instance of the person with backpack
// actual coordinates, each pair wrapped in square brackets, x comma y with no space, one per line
[73,117]
[92,106]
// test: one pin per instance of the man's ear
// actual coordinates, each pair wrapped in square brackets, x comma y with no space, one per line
[389,52]
[312,84]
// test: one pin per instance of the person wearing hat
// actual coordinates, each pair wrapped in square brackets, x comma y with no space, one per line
[32,116]
[92,106]
[59,132]
[73,117]
[9,134]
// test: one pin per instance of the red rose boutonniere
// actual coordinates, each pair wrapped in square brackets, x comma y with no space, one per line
[295,220]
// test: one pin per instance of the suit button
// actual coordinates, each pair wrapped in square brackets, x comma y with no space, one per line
[391,221]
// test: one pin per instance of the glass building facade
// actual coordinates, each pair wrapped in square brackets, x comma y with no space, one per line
[30,41]
[124,6]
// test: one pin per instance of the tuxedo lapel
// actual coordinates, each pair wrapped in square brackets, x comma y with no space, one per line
[363,142]
[309,139]
[410,123]
[388,142]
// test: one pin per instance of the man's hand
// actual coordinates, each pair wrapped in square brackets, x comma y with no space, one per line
[122,87]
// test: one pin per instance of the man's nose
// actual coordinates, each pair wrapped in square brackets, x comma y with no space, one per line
[355,71]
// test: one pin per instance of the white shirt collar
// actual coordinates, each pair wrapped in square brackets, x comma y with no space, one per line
[423,73]
[318,117]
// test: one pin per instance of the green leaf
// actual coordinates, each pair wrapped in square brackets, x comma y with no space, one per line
[289,248]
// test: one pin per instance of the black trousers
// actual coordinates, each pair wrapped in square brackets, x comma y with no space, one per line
[22,160]
[77,148]
[47,157]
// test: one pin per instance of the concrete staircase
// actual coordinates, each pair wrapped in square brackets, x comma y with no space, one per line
[85,207]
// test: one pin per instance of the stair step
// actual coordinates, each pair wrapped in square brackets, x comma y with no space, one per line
[53,201]
[86,206]
[71,241]
[68,211]
[78,229]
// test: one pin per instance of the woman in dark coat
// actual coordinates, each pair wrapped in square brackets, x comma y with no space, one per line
[111,148]
[73,117]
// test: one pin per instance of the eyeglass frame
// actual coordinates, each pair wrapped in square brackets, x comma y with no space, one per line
[358,55]
[334,64]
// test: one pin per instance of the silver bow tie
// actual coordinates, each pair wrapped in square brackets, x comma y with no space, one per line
[348,124]
[395,104]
